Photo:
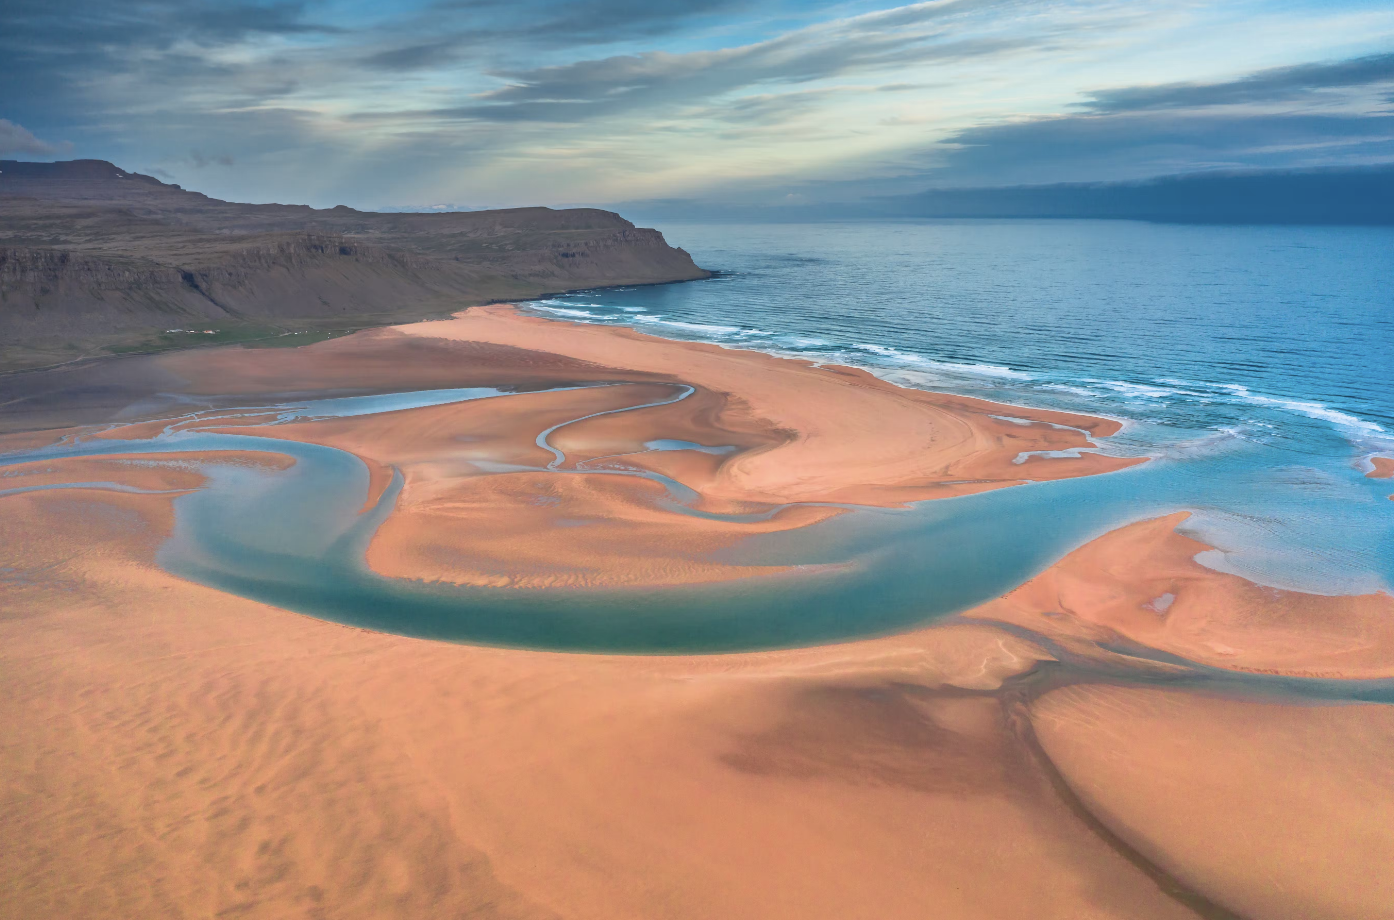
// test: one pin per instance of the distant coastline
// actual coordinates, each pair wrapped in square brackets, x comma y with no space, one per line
[1352,196]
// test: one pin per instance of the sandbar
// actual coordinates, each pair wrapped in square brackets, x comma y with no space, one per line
[173,750]
[1142,584]
[787,440]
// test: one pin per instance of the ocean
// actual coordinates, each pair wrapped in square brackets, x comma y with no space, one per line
[1257,362]
[1251,364]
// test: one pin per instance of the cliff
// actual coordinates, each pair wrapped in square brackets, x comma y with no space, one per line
[94,258]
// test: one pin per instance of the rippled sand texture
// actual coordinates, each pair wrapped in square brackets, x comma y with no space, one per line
[479,506]
[1143,586]
[797,433]
[173,751]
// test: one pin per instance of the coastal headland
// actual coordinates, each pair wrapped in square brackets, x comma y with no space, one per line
[1123,735]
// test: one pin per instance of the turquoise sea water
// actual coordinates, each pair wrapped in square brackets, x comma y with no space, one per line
[1258,361]
[1252,364]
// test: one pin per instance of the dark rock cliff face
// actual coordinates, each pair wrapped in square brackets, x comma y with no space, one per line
[88,250]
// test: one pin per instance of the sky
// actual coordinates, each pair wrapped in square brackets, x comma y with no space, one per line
[489,103]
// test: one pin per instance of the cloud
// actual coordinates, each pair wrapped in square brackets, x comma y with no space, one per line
[586,21]
[199,160]
[590,88]
[1316,114]
[80,58]
[515,101]
[416,56]
[17,139]
[1279,84]
[1081,148]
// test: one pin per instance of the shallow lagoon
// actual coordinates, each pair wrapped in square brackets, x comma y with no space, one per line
[295,538]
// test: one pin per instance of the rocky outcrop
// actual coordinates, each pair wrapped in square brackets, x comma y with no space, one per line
[89,250]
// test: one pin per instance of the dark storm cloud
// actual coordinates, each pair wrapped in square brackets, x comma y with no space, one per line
[75,25]
[1280,84]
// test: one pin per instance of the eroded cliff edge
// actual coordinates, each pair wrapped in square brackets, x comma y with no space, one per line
[95,259]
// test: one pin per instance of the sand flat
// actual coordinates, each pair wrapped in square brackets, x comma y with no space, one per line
[788,432]
[1142,584]
[853,437]
[174,750]
[1276,811]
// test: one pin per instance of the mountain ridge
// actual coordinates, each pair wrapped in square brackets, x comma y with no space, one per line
[97,259]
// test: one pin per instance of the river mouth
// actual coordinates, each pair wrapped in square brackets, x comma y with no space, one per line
[296,538]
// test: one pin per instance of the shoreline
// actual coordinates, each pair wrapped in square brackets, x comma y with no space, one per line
[792,440]
[174,747]
[525,307]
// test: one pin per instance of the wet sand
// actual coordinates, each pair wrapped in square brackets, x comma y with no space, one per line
[787,432]
[1383,469]
[171,750]
[175,751]
[1142,585]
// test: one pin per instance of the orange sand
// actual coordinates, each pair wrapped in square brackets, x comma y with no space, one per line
[171,750]
[174,751]
[850,436]
[799,433]
[1275,811]
[1143,584]
[1384,469]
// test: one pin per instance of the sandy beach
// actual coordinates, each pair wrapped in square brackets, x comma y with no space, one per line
[172,750]
[790,432]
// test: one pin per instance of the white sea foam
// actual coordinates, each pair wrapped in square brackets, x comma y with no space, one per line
[1138,389]
[698,328]
[565,311]
[1072,453]
[948,367]
[802,341]
[1359,431]
[983,370]
[1073,390]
